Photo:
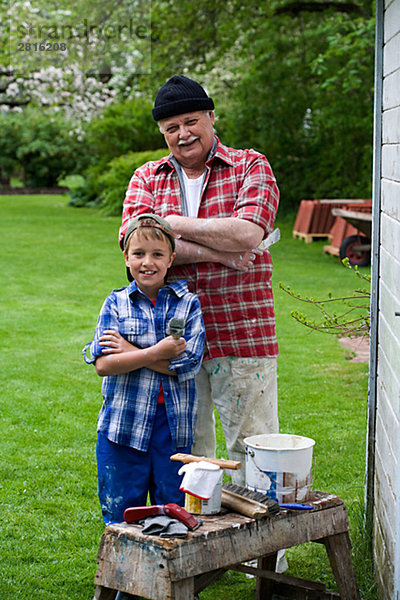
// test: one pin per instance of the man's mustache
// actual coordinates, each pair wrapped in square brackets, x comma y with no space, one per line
[189,141]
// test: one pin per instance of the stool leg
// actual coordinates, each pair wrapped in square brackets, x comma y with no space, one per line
[103,593]
[183,590]
[338,549]
[265,587]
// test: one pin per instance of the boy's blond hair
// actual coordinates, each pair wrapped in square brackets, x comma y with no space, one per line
[149,233]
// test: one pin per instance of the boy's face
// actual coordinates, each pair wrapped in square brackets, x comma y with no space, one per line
[148,261]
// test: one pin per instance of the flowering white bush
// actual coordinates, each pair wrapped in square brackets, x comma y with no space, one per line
[73,60]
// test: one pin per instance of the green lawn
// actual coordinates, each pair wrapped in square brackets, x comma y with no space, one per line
[58,264]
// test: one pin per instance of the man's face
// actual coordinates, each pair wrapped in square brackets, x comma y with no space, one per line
[190,137]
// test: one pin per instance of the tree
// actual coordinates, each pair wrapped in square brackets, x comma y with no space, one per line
[291,78]
[75,57]
[307,84]
[339,316]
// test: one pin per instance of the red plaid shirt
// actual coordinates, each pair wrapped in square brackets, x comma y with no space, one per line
[237,307]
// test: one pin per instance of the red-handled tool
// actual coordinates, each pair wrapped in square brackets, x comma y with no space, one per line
[137,513]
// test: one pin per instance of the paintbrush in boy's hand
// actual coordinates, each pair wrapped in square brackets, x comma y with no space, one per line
[176,327]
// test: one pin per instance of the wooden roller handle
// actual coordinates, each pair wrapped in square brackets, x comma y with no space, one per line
[221,462]
[242,505]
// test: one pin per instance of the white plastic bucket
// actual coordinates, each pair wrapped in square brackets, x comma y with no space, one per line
[279,465]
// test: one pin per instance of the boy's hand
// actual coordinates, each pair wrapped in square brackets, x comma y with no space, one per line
[169,347]
[120,356]
[114,342]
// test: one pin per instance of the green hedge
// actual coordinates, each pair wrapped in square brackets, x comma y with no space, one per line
[107,190]
[122,127]
[115,180]
[38,147]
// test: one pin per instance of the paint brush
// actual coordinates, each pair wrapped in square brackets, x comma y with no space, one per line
[273,237]
[176,327]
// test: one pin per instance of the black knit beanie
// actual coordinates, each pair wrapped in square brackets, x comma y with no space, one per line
[180,95]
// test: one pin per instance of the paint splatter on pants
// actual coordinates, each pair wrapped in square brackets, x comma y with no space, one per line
[127,475]
[244,392]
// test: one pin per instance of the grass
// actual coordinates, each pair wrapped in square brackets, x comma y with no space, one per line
[58,264]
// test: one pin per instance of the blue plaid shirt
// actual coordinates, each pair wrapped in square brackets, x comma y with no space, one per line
[130,400]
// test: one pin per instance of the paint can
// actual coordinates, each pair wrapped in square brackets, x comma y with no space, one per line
[199,506]
[279,465]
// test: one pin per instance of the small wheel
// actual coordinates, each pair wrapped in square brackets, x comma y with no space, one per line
[349,249]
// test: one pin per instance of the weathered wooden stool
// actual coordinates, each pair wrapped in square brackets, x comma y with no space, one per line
[177,569]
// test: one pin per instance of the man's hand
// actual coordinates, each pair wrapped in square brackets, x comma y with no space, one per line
[240,261]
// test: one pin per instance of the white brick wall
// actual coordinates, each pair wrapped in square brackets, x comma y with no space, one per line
[387,459]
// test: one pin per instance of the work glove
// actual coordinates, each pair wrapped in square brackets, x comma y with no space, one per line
[200,478]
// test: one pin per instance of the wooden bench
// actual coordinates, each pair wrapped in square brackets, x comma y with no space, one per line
[177,569]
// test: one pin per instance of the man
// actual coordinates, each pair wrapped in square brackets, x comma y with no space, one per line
[223,203]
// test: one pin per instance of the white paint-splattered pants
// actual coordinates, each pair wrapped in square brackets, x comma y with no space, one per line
[244,392]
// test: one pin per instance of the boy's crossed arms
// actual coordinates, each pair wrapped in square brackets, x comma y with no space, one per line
[120,356]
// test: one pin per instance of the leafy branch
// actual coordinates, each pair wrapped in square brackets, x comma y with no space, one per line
[353,317]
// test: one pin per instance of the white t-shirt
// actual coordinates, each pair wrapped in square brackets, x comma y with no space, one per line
[193,193]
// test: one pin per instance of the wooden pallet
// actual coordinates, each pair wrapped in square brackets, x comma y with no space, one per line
[310,237]
[332,250]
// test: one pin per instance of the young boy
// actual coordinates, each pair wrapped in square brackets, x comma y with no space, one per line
[149,395]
